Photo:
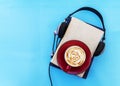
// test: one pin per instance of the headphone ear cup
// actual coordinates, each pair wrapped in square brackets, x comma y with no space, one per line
[99,49]
[62,29]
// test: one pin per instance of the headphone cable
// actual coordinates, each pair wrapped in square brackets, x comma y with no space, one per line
[51,84]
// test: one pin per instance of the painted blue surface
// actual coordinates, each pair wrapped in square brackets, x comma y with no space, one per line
[26,35]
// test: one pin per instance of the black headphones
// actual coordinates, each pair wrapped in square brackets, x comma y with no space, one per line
[63,27]
[59,33]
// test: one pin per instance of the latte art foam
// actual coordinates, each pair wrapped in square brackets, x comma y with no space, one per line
[75,56]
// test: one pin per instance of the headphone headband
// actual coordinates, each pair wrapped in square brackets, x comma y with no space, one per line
[95,12]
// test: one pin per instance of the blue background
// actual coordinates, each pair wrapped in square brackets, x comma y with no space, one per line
[26,36]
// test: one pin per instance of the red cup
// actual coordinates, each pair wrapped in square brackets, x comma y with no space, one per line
[61,60]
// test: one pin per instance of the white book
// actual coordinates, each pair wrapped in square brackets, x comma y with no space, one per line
[81,31]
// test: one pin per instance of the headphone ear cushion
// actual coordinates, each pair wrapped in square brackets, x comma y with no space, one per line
[62,29]
[99,49]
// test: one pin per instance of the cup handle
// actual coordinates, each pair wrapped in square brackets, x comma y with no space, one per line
[68,68]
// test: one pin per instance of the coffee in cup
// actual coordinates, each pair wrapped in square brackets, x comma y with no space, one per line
[75,56]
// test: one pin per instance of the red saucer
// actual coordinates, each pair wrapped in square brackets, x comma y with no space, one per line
[61,61]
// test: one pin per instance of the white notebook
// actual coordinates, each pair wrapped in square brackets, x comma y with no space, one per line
[81,31]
